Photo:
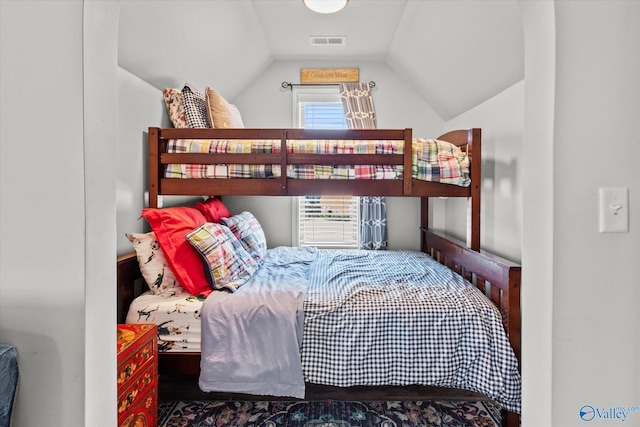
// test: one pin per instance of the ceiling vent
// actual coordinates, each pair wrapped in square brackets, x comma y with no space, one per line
[328,40]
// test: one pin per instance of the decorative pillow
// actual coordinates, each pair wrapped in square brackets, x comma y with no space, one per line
[195,107]
[153,265]
[170,226]
[228,265]
[213,209]
[220,113]
[248,230]
[175,107]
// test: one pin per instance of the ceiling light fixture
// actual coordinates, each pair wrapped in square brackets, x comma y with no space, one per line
[325,6]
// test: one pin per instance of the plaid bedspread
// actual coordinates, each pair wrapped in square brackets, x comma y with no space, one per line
[400,318]
[433,160]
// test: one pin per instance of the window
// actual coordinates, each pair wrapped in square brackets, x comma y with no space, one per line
[324,221]
[318,108]
[328,221]
[321,115]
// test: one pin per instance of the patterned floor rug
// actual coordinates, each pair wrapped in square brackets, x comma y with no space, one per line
[328,414]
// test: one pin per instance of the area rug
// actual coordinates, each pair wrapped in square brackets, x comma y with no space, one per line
[328,413]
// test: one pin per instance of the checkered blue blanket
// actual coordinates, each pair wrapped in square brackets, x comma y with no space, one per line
[401,318]
[343,318]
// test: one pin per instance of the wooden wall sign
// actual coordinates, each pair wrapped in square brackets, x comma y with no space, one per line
[329,75]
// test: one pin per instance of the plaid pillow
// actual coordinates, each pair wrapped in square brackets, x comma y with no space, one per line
[248,230]
[195,107]
[227,264]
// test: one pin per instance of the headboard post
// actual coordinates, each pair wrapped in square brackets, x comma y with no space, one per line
[475,151]
[283,162]
[128,283]
[408,162]
[153,165]
[424,220]
[514,317]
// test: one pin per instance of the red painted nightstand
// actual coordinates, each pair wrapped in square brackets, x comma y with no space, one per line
[137,375]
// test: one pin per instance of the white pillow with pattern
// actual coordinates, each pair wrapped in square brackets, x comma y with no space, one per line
[175,107]
[153,265]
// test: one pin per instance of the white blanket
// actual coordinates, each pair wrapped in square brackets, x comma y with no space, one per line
[251,338]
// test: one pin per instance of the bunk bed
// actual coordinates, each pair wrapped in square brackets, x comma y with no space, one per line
[498,279]
[468,140]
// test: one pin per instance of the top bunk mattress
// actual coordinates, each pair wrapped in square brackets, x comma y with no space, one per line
[432,160]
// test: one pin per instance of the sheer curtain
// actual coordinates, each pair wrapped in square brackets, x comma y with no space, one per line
[360,114]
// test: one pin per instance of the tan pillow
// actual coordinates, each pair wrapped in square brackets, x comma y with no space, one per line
[221,113]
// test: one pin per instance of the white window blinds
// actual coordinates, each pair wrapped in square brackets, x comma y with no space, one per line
[328,221]
[324,221]
[322,115]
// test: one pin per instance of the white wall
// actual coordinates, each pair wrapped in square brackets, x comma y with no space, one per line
[538,19]
[501,119]
[581,344]
[596,292]
[99,25]
[42,212]
[265,104]
[140,106]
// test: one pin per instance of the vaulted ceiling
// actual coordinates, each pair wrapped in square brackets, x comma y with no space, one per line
[454,54]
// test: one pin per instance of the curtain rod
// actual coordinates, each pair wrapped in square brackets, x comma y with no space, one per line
[287,85]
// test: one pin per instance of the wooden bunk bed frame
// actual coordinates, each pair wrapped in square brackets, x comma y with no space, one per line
[468,140]
[498,278]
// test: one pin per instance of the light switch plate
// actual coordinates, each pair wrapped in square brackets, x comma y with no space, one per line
[614,210]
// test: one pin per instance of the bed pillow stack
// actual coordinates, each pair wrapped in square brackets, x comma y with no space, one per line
[170,226]
[228,265]
[198,248]
[190,108]
[231,251]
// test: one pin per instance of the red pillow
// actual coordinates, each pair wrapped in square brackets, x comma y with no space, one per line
[213,209]
[171,225]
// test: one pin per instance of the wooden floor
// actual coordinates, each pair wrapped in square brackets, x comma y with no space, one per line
[172,387]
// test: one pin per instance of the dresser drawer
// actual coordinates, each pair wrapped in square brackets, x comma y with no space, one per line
[136,345]
[132,363]
[137,375]
[132,395]
[144,414]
